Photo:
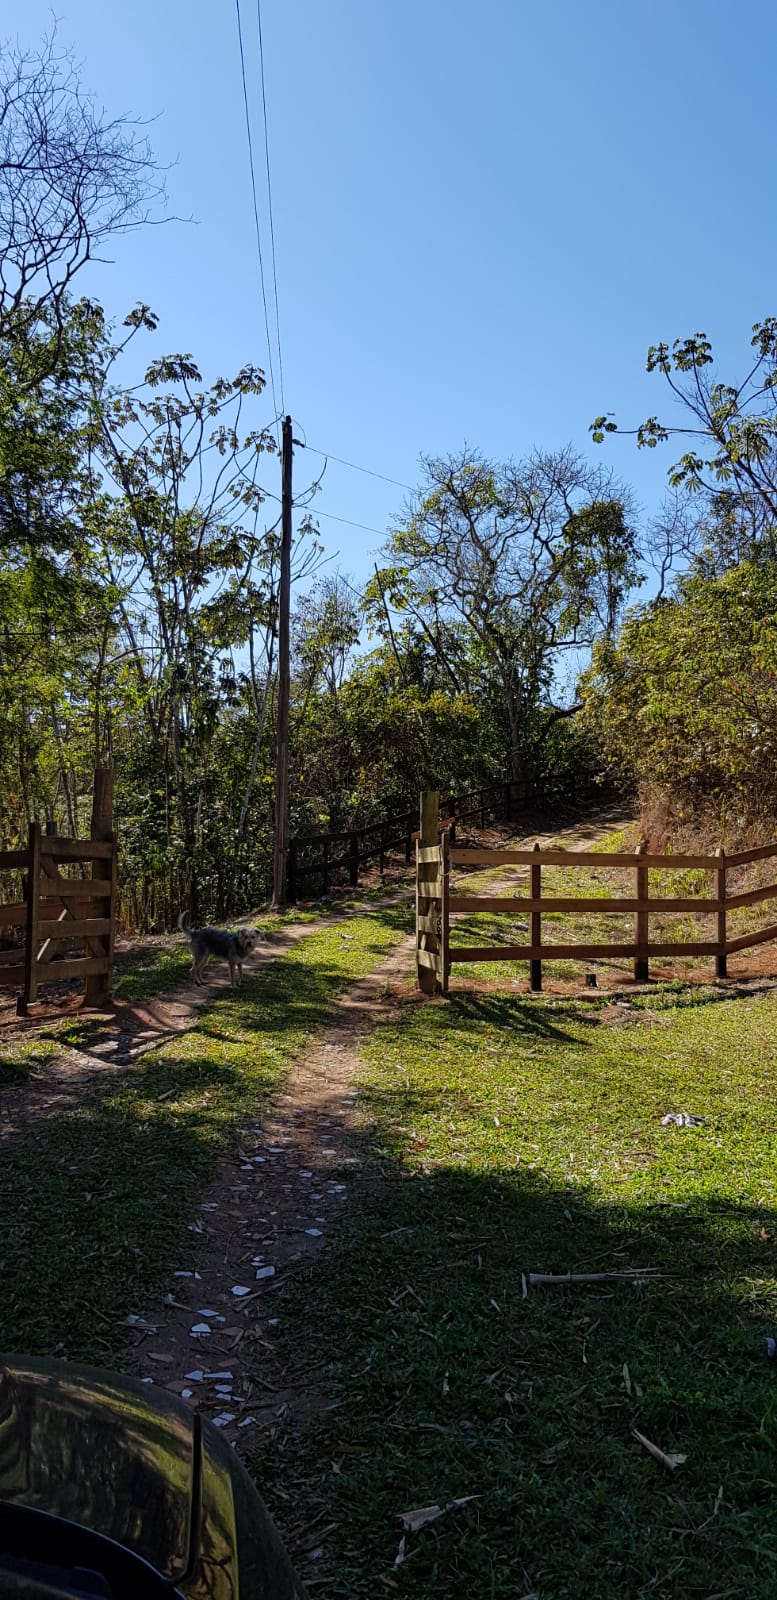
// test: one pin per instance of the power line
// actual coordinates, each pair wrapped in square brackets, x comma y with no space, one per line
[356,468]
[256,206]
[269,200]
[381,532]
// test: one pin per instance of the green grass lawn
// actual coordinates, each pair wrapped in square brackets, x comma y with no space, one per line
[152,968]
[522,1135]
[97,1199]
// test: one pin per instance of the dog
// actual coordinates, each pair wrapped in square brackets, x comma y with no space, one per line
[218,944]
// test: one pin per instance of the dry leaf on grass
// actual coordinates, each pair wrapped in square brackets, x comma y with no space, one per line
[671,1462]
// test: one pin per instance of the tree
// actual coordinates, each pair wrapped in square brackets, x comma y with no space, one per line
[684,702]
[70,179]
[505,568]
[178,529]
[729,472]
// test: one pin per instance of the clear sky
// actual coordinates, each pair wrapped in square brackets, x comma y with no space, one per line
[484,213]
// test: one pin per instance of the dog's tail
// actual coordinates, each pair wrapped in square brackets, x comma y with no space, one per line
[182,923]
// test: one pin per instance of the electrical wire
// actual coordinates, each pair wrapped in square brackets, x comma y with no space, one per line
[269,201]
[256,205]
[381,532]
[356,468]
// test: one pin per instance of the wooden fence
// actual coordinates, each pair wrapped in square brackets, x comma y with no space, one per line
[325,856]
[58,911]
[435,905]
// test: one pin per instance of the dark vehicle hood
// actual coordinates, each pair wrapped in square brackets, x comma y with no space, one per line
[134,1464]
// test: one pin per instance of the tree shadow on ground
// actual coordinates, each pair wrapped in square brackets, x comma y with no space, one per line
[98,1196]
[450,1379]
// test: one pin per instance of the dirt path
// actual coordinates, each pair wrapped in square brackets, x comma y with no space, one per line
[277,1199]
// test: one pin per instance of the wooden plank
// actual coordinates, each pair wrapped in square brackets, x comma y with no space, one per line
[31,940]
[747,939]
[576,858]
[428,853]
[75,928]
[75,849]
[541,952]
[75,889]
[428,959]
[445,920]
[427,945]
[523,903]
[13,958]
[641,920]
[14,915]
[112,909]
[79,966]
[752,897]
[761,852]
[580,952]
[427,922]
[13,859]
[535,920]
[721,970]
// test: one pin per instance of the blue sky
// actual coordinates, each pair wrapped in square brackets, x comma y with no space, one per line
[484,214]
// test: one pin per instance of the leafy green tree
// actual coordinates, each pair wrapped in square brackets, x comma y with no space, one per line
[729,469]
[684,702]
[506,569]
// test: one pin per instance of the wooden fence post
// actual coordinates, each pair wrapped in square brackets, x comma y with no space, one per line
[353,860]
[98,985]
[641,965]
[535,925]
[30,991]
[721,963]
[426,943]
[445,918]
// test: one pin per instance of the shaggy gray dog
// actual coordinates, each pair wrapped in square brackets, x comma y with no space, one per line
[217,944]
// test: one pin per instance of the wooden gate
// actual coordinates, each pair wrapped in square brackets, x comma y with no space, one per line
[60,910]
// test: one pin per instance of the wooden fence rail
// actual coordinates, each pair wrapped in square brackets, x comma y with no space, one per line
[435,855]
[59,911]
[322,856]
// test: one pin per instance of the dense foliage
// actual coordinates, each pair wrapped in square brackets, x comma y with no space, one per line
[684,701]
[138,620]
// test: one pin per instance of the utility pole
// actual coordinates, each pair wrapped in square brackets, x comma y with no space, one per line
[281,841]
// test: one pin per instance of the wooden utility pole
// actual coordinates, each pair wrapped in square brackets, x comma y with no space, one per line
[280,845]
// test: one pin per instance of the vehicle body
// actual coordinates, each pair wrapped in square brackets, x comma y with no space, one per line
[117,1489]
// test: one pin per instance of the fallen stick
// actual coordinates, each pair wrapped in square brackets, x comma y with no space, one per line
[538,1280]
